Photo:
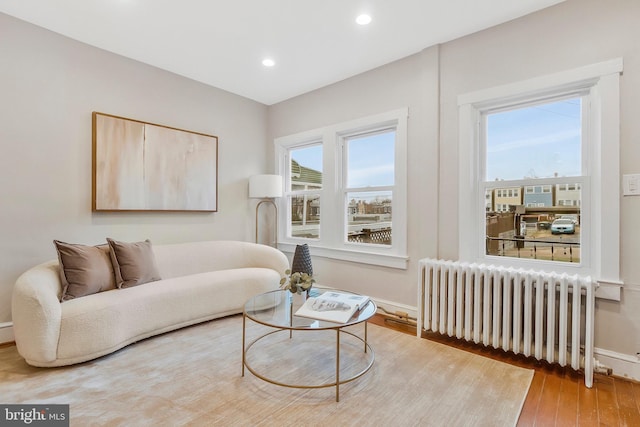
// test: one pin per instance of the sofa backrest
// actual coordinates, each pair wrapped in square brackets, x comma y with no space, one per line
[181,259]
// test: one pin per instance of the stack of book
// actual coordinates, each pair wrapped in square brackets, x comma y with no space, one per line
[333,306]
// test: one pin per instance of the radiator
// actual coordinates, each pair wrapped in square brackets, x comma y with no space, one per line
[545,315]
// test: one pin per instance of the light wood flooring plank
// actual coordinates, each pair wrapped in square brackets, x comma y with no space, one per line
[557,396]
[588,406]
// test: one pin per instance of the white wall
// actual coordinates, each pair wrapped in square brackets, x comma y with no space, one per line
[49,85]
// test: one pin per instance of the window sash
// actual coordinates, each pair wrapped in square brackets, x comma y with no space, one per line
[332,242]
[600,164]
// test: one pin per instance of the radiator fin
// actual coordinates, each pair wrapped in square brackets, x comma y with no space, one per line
[545,315]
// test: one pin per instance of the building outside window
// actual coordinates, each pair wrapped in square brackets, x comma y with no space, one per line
[507,197]
[568,195]
[304,186]
[538,195]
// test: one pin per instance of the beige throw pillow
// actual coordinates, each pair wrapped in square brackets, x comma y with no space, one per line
[84,270]
[133,263]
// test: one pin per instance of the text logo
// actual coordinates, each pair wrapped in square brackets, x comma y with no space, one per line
[34,415]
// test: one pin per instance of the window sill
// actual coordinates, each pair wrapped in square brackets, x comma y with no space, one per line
[384,260]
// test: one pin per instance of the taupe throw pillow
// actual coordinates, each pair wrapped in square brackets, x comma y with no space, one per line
[84,270]
[133,263]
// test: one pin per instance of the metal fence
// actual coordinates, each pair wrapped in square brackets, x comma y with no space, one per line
[544,249]
[381,236]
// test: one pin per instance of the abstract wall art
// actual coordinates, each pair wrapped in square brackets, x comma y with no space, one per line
[139,166]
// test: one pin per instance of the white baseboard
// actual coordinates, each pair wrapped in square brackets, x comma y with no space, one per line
[622,365]
[6,332]
[393,307]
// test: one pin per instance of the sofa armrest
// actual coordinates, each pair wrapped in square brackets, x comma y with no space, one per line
[263,256]
[37,313]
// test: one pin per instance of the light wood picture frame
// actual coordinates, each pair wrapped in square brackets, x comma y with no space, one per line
[139,166]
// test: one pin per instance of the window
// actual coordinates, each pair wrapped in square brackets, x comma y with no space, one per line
[345,190]
[523,144]
[369,166]
[556,137]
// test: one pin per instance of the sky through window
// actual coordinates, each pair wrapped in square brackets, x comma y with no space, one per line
[535,142]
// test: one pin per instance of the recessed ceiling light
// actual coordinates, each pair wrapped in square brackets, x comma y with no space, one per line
[268,62]
[363,19]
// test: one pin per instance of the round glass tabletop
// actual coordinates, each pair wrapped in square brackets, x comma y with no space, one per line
[277,309]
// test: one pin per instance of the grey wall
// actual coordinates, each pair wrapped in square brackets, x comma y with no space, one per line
[569,35]
[49,85]
[411,82]
[572,34]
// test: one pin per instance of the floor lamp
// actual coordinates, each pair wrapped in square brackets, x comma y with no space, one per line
[267,188]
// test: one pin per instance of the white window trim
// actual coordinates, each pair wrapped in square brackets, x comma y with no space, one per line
[331,243]
[602,79]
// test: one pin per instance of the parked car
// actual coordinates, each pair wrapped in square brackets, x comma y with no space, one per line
[573,218]
[563,226]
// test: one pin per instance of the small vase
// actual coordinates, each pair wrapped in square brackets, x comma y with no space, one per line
[301,262]
[297,299]
[304,295]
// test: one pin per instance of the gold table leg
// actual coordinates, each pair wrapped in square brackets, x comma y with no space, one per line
[337,365]
[365,335]
[244,329]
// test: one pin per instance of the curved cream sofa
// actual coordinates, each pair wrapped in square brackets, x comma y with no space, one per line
[200,281]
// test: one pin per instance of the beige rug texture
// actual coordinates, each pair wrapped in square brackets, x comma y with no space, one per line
[193,377]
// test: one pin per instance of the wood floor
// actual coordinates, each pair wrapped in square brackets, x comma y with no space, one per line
[557,396]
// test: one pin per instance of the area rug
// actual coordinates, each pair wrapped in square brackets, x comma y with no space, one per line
[193,377]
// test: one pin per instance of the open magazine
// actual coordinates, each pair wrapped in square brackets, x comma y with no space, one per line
[333,306]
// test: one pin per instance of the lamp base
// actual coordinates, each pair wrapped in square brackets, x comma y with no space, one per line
[276,228]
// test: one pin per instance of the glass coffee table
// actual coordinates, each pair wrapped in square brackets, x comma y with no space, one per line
[276,310]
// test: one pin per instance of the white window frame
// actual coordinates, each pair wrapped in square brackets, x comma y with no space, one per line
[600,214]
[333,218]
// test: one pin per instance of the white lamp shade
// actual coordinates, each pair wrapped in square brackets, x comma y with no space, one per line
[265,186]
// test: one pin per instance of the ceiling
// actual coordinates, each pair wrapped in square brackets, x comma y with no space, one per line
[222,42]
